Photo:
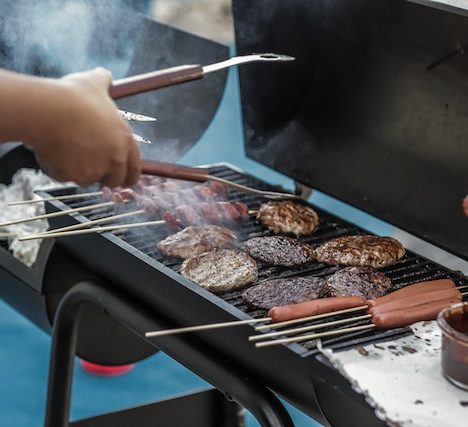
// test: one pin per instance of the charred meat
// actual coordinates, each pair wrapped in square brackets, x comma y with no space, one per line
[277,292]
[221,270]
[357,281]
[203,213]
[288,217]
[195,240]
[280,250]
[371,251]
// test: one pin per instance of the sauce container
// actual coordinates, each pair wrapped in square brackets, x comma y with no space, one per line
[453,321]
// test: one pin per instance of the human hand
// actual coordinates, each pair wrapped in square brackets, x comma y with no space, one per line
[79,135]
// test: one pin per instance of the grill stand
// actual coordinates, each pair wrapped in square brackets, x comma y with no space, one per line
[235,383]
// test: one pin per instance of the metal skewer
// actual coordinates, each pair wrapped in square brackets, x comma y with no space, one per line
[308,328]
[314,336]
[59,213]
[210,326]
[47,199]
[53,233]
[93,222]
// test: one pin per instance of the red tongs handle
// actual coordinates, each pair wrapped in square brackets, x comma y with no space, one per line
[154,80]
[171,170]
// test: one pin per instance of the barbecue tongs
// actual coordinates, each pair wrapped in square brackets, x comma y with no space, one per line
[176,75]
[184,73]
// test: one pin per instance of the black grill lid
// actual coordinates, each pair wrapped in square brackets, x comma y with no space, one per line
[365,113]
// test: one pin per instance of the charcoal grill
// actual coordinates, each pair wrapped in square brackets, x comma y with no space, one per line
[131,263]
[327,128]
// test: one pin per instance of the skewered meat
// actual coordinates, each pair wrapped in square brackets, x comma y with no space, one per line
[357,281]
[372,251]
[280,250]
[288,217]
[313,307]
[154,199]
[271,293]
[221,270]
[193,241]
[202,213]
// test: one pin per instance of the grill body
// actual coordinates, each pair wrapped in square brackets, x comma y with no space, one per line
[132,264]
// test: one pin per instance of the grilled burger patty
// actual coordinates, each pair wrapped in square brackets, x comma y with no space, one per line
[280,250]
[372,251]
[276,292]
[221,270]
[195,240]
[288,217]
[357,281]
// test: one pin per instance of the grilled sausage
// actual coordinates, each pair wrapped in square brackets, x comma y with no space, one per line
[415,289]
[406,317]
[409,302]
[314,307]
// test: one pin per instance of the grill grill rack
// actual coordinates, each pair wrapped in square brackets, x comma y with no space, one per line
[410,269]
[293,371]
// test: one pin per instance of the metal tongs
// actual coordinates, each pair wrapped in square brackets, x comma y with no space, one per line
[184,73]
[200,174]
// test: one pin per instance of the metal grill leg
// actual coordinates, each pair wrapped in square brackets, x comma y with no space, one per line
[263,404]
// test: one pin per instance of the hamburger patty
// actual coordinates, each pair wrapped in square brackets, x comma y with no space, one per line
[280,250]
[221,270]
[357,281]
[288,217]
[276,292]
[195,240]
[371,251]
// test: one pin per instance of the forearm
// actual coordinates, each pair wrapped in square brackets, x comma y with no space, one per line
[27,104]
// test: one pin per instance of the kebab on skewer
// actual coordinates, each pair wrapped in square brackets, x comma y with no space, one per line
[200,213]
[414,303]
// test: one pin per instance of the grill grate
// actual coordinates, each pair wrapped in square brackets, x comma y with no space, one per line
[410,269]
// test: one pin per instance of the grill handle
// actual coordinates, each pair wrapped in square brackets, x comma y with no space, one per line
[171,170]
[140,83]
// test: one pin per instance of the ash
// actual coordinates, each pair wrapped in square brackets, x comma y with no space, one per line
[402,379]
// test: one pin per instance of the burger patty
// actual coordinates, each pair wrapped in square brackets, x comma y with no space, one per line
[371,251]
[276,292]
[280,250]
[357,281]
[195,240]
[221,270]
[288,217]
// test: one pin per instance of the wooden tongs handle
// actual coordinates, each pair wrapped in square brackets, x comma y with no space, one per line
[154,80]
[171,170]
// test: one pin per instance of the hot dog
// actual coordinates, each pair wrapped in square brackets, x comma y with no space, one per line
[416,288]
[399,318]
[314,307]
[413,301]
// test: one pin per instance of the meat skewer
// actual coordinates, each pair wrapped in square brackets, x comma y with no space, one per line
[144,181]
[216,212]
[401,310]
[334,305]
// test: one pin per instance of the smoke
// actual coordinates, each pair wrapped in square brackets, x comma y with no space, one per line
[55,37]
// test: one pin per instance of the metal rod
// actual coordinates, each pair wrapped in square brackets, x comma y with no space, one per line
[59,213]
[48,199]
[94,222]
[176,331]
[308,328]
[314,336]
[91,230]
